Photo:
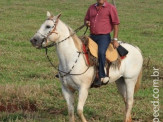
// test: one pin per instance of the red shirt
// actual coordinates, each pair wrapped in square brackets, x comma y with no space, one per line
[102,18]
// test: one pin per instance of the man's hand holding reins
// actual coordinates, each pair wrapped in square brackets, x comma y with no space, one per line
[87,23]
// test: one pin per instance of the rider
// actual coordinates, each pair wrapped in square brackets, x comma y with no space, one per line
[102,18]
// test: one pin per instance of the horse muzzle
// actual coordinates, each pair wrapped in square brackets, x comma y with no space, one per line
[37,42]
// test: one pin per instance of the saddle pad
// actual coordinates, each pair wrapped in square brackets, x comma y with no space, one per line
[111,53]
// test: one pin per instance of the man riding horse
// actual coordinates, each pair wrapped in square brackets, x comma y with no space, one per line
[74,73]
[102,18]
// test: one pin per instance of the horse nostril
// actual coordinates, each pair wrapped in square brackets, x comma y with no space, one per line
[33,41]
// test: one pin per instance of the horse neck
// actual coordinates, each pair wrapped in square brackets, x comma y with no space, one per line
[66,50]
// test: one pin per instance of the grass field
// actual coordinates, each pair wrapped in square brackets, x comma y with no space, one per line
[28,88]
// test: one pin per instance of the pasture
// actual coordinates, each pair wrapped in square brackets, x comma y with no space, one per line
[29,90]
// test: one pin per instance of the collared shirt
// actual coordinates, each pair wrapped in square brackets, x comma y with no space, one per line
[102,18]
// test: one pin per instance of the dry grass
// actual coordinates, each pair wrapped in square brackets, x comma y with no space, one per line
[26,97]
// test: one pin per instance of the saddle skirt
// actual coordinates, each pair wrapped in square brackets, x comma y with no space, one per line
[111,53]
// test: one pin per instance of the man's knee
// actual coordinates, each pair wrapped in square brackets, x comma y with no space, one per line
[101,53]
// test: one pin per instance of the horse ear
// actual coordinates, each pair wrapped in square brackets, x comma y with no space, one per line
[58,16]
[48,14]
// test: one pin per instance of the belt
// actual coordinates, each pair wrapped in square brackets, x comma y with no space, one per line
[99,34]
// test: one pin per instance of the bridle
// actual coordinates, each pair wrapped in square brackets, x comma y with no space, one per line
[56,43]
[45,37]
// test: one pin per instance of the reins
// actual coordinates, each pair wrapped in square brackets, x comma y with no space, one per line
[69,72]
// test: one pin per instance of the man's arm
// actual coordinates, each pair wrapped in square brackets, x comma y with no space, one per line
[87,18]
[115,32]
[115,22]
[115,36]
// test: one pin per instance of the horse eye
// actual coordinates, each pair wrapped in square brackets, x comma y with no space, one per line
[48,26]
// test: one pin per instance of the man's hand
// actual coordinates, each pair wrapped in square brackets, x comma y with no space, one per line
[88,23]
[115,44]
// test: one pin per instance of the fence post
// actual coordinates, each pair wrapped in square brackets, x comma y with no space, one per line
[113,1]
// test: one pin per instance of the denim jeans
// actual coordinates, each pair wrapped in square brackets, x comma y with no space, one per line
[103,41]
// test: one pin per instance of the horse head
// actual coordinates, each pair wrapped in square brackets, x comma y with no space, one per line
[47,34]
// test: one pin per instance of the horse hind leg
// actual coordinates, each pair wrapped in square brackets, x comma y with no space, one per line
[130,86]
[68,95]
[121,88]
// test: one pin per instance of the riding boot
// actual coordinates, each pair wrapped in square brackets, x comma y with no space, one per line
[97,83]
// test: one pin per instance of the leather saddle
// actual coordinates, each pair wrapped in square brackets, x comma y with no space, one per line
[111,53]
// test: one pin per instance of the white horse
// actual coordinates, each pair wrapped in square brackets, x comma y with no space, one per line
[127,76]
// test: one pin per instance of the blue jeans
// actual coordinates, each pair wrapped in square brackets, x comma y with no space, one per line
[103,41]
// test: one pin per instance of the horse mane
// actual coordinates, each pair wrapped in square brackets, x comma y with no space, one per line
[77,41]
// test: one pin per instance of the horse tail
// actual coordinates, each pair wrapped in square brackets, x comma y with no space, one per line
[138,81]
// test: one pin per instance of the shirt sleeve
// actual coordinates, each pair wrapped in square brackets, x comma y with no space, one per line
[87,17]
[114,16]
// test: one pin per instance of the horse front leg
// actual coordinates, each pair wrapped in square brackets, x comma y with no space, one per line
[83,93]
[68,95]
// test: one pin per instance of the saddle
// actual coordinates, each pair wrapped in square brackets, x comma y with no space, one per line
[90,49]
[111,53]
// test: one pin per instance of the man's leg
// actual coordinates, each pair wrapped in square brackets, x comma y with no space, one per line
[103,43]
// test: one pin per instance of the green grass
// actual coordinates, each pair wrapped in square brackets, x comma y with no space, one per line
[27,77]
